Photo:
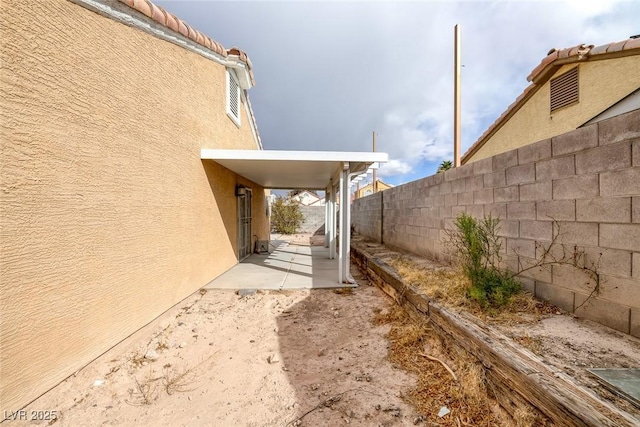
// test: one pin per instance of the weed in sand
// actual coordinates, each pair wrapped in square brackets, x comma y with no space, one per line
[178,381]
[146,391]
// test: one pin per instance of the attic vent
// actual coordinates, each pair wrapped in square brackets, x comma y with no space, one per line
[233,97]
[564,90]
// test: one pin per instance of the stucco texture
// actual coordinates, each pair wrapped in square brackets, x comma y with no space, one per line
[601,84]
[108,217]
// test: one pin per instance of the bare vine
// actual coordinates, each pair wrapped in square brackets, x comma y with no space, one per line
[569,255]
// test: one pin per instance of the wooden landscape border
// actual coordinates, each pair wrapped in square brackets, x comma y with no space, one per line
[517,377]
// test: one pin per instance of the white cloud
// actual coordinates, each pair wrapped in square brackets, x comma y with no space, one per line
[328,74]
[394,167]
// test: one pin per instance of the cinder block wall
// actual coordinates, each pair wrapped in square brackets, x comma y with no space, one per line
[588,180]
[366,215]
[313,218]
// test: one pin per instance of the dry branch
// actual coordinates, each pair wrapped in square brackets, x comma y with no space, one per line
[442,363]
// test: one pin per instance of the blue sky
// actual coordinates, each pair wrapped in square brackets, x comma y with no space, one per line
[330,73]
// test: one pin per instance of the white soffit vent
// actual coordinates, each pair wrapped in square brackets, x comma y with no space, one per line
[233,97]
[564,90]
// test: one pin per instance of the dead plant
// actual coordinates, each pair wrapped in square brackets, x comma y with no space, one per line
[146,391]
[177,381]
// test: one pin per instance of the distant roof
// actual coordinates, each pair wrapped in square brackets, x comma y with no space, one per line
[379,181]
[547,68]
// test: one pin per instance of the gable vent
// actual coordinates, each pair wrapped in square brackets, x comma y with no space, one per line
[233,97]
[564,89]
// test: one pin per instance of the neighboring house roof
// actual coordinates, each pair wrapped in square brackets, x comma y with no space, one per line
[546,69]
[308,194]
[311,193]
[379,181]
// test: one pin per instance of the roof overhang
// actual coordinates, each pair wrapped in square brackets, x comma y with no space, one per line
[310,170]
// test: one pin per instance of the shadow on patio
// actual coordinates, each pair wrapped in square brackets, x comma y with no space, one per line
[299,262]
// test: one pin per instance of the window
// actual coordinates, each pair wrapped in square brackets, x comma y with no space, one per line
[564,90]
[233,97]
[368,192]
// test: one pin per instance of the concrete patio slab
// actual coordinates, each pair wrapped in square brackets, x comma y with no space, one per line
[288,266]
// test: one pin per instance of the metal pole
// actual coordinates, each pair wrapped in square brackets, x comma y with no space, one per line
[375,180]
[456,96]
[327,216]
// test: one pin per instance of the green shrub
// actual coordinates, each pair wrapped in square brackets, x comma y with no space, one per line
[477,245]
[286,216]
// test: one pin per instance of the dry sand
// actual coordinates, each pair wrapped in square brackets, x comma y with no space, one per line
[260,360]
[275,357]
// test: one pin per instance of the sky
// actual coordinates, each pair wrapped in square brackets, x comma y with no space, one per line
[330,73]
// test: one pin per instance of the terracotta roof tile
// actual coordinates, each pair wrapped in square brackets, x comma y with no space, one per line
[599,49]
[632,44]
[541,74]
[616,47]
[564,53]
[199,38]
[142,6]
[182,28]
[172,22]
[157,15]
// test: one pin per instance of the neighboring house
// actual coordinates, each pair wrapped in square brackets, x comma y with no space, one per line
[108,215]
[570,88]
[368,189]
[308,198]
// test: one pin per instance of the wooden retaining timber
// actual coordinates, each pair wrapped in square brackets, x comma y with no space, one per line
[517,377]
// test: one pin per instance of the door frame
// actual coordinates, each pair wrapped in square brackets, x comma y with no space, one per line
[244,203]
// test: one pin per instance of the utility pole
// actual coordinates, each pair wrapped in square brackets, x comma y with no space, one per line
[375,181]
[456,96]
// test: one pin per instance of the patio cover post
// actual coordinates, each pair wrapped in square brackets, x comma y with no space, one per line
[332,221]
[327,214]
[345,228]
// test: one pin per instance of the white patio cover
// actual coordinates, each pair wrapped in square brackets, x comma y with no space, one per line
[331,171]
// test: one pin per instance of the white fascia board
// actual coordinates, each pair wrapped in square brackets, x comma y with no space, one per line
[284,155]
[242,72]
[252,122]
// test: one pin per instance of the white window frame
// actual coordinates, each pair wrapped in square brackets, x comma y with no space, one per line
[231,78]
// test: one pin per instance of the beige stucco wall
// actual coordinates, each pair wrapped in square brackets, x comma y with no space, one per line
[381,186]
[601,84]
[108,216]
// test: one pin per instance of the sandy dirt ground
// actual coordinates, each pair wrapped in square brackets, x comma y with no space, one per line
[281,358]
[267,359]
